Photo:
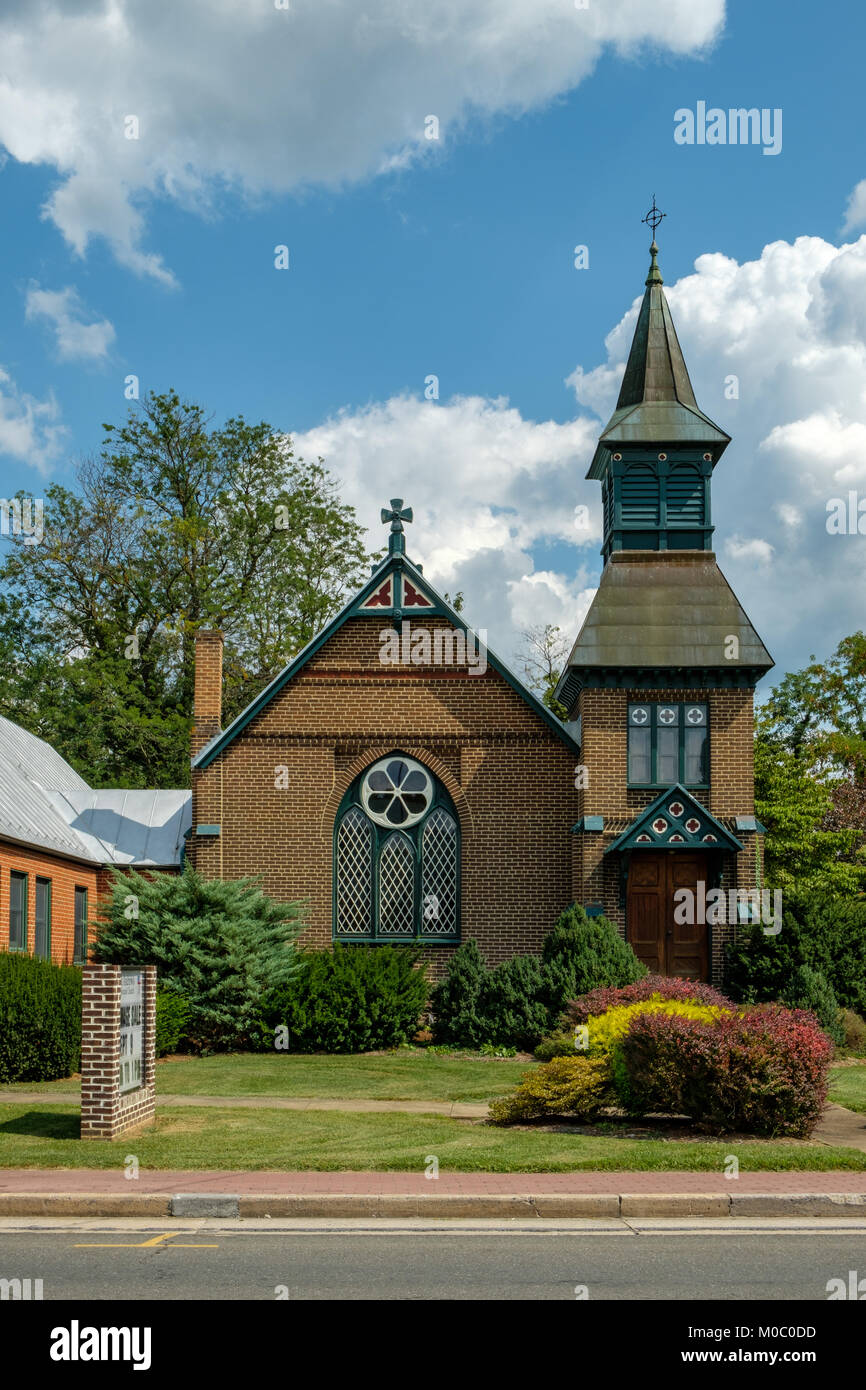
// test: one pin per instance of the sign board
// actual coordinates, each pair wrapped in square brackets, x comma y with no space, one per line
[131,1030]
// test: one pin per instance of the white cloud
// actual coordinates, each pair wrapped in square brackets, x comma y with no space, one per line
[758,551]
[486,487]
[76,339]
[29,429]
[855,211]
[492,490]
[239,95]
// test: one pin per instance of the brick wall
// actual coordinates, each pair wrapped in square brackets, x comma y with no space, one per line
[105,1112]
[511,779]
[604,716]
[65,875]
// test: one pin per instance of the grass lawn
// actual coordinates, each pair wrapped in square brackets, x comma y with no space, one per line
[848,1086]
[402,1075]
[279,1139]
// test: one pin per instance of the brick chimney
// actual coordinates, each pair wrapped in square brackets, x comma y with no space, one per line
[207,700]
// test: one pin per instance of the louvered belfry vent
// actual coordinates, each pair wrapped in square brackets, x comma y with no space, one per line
[685,496]
[640,496]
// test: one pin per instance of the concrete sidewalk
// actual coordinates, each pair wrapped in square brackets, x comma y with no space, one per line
[456,1109]
[165,1194]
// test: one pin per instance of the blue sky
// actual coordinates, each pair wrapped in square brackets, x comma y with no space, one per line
[273,128]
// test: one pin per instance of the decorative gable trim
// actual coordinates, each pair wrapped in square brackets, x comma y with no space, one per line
[675,820]
[397,570]
[381,598]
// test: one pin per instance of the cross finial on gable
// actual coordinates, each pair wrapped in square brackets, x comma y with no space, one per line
[397,515]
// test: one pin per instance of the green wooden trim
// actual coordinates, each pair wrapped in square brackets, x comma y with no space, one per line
[395,563]
[642,822]
[351,798]
[593,823]
[16,876]
[40,879]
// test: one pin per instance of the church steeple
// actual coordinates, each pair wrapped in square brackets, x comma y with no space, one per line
[656,455]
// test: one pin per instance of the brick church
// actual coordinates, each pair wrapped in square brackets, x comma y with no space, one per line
[407,785]
[404,783]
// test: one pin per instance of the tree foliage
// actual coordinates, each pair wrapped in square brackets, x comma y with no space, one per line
[175,526]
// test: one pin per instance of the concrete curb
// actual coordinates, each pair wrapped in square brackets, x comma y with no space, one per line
[399,1205]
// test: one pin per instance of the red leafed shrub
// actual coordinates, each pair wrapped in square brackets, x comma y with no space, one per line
[598,1001]
[762,1071]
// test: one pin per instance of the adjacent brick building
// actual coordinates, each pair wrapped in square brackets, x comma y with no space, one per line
[58,837]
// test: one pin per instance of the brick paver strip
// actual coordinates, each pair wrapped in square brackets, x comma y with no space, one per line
[97,1180]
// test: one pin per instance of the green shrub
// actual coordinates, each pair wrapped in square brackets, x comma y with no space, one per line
[808,989]
[565,1086]
[558,1044]
[514,1010]
[521,999]
[585,953]
[457,1001]
[40,1019]
[172,1015]
[220,944]
[854,1028]
[825,932]
[350,999]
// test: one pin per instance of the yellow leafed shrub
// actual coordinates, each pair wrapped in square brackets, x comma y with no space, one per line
[605,1030]
[566,1086]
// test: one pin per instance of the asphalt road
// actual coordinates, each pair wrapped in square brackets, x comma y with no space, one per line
[109,1261]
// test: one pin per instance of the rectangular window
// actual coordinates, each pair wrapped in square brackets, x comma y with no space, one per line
[42,945]
[696,757]
[639,760]
[668,743]
[17,911]
[79,951]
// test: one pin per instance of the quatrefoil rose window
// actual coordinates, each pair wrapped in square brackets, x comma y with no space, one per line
[396,792]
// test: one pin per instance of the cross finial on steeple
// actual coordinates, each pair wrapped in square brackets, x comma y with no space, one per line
[397,515]
[653,219]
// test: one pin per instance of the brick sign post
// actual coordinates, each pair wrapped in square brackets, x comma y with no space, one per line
[118,1025]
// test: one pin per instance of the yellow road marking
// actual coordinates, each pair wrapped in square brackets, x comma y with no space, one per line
[142,1245]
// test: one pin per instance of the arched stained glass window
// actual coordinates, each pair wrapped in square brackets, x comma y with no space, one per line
[397,856]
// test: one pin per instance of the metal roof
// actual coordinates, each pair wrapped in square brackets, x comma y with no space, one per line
[44,802]
[663,610]
[656,402]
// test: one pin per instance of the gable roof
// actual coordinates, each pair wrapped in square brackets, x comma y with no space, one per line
[44,802]
[395,590]
[675,820]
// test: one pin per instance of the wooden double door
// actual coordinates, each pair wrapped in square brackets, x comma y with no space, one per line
[665,946]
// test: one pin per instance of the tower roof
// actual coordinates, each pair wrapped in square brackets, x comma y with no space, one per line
[664,618]
[656,402]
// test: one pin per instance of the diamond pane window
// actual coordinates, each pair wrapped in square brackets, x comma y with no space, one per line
[439,879]
[396,856]
[397,887]
[354,875]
